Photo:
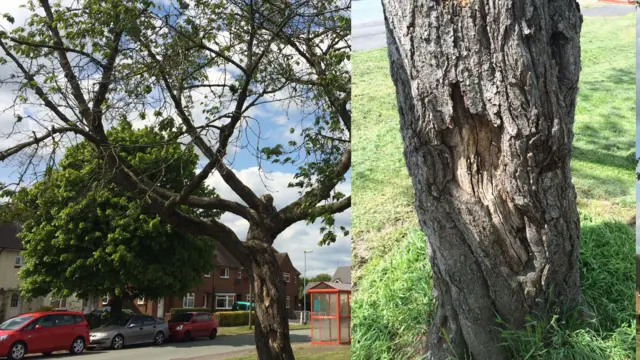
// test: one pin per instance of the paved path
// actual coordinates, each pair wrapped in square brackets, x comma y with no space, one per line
[176,351]
[368,30]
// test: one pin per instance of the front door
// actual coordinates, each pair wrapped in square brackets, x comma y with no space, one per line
[14,306]
[160,308]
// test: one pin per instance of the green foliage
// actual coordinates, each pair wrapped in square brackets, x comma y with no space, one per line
[86,237]
[233,318]
[46,309]
[393,305]
[184,310]
[317,278]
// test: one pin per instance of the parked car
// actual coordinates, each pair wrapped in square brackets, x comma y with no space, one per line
[98,317]
[129,330]
[43,332]
[190,325]
[242,306]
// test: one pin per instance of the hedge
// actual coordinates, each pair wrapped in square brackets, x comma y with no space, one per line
[184,310]
[233,318]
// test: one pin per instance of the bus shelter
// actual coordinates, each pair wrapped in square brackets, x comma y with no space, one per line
[330,313]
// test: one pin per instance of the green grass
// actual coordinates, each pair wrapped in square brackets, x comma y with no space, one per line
[603,169]
[239,330]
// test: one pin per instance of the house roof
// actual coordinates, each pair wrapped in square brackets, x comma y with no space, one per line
[283,258]
[9,236]
[224,258]
[310,285]
[324,285]
[343,274]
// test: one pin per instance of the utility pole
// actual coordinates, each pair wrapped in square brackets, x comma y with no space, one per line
[304,292]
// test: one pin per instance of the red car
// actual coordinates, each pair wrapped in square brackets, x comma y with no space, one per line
[43,332]
[191,325]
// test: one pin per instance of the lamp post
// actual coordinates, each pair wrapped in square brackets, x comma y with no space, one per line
[304,289]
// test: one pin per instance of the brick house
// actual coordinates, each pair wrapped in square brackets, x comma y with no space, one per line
[219,289]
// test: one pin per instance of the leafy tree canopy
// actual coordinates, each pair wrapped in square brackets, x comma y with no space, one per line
[87,237]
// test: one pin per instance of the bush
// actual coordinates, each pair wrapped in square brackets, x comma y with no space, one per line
[184,310]
[46,308]
[233,318]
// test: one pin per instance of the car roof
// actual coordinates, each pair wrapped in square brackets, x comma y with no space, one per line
[50,313]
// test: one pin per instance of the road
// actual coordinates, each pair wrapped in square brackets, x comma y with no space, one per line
[368,30]
[176,351]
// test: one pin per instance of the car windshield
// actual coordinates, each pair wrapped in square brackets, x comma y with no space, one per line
[118,322]
[15,323]
[184,317]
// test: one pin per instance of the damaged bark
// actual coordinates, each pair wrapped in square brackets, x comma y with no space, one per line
[486,93]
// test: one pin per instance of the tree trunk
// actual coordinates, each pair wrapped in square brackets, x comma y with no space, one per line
[272,325]
[486,96]
[116,307]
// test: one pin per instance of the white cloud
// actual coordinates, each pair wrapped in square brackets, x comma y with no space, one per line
[298,237]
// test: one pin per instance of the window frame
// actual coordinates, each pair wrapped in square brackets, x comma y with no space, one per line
[15,297]
[140,300]
[227,296]
[226,271]
[239,276]
[186,298]
[19,261]
[288,302]
[287,277]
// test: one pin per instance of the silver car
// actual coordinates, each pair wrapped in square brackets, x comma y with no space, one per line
[136,329]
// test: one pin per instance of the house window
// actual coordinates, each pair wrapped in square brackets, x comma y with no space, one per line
[14,300]
[205,300]
[225,301]
[59,303]
[19,261]
[288,301]
[208,274]
[338,281]
[141,300]
[189,300]
[239,274]
[224,272]
[287,277]
[105,300]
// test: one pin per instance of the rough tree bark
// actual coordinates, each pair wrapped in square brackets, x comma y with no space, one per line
[272,325]
[486,96]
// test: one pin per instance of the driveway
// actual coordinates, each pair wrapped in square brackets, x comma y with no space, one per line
[177,351]
[368,31]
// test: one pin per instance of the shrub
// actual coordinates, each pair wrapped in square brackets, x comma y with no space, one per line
[184,310]
[46,308]
[233,318]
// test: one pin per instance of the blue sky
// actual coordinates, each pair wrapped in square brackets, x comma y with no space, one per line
[274,126]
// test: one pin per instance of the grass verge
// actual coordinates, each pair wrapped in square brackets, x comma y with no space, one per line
[385,321]
[240,330]
[309,352]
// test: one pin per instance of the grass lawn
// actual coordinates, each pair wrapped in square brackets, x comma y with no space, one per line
[603,169]
[239,330]
[310,352]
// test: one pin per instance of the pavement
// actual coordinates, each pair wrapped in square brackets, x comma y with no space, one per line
[197,349]
[368,31]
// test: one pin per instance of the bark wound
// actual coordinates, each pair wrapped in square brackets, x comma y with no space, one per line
[486,96]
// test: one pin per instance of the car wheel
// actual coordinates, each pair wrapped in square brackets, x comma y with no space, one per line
[159,338]
[17,351]
[187,336]
[213,334]
[117,342]
[77,347]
